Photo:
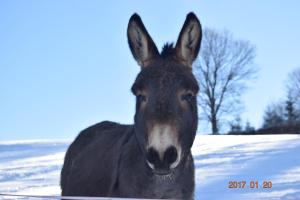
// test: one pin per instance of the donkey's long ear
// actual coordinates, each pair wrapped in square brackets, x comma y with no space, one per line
[141,44]
[188,43]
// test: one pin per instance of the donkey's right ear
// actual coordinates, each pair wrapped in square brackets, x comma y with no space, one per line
[141,44]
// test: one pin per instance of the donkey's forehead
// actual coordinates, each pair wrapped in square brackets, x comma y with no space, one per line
[166,75]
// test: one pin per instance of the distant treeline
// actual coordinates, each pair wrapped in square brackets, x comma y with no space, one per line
[282,117]
[281,129]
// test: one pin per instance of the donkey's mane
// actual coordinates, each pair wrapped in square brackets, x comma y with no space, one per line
[167,50]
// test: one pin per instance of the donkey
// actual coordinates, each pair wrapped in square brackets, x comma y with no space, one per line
[151,158]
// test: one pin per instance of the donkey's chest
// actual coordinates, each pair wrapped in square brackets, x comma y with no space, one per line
[152,187]
[166,188]
[137,182]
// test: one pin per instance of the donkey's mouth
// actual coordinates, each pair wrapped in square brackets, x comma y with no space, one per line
[162,172]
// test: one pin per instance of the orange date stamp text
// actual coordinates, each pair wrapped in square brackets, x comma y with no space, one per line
[250,184]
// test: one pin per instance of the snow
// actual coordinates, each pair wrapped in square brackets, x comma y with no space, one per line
[220,159]
[33,167]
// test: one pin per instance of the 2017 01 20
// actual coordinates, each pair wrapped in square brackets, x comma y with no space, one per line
[250,184]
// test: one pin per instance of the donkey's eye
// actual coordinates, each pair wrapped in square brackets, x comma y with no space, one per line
[189,97]
[141,98]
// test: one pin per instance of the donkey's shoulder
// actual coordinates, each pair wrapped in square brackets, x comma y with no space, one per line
[101,136]
[106,129]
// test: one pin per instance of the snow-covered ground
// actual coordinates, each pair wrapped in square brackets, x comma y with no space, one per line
[33,167]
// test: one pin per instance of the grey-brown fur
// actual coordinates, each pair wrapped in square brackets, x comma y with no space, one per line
[110,159]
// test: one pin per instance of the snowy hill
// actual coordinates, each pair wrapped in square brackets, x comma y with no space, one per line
[33,167]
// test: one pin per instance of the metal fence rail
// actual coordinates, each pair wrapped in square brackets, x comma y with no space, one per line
[52,197]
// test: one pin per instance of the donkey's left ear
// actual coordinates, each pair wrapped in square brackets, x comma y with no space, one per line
[189,40]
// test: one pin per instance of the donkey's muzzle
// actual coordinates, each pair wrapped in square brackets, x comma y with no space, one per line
[162,164]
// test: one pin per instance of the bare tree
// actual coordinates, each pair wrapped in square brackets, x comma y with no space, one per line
[223,70]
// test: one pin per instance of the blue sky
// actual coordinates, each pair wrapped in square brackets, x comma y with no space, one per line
[65,65]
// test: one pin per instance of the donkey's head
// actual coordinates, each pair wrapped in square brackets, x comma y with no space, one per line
[166,90]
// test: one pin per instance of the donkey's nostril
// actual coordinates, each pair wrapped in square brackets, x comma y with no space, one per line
[153,156]
[170,155]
